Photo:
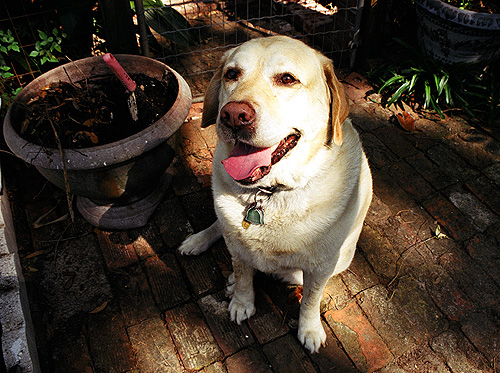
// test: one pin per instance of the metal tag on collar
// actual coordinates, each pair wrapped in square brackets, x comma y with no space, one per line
[253,215]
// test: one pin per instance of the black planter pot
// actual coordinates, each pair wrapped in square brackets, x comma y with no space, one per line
[450,35]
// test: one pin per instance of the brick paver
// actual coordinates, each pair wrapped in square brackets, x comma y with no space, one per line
[422,293]
[362,342]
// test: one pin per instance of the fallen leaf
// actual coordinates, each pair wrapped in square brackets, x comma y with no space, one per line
[24,126]
[38,224]
[68,283]
[100,308]
[406,121]
[36,253]
[439,234]
[86,135]
[88,123]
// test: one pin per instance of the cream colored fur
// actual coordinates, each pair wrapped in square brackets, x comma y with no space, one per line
[314,218]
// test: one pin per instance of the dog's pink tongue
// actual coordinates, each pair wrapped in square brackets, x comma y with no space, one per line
[245,159]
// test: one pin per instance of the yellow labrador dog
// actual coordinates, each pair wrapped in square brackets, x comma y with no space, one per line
[291,182]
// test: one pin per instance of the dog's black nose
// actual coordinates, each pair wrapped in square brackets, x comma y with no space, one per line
[237,114]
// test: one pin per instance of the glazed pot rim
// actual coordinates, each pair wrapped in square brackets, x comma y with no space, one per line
[116,152]
[468,18]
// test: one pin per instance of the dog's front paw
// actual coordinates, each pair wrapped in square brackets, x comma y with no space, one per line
[312,336]
[201,241]
[194,244]
[241,310]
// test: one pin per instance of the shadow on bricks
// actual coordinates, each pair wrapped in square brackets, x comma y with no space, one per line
[422,293]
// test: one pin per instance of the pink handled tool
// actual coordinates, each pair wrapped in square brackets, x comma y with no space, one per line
[126,80]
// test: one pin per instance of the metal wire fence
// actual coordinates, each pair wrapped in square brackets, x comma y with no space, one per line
[332,26]
[23,22]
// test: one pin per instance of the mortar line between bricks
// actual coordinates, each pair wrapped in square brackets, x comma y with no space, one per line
[352,296]
[177,353]
[340,343]
[403,257]
[148,280]
[368,319]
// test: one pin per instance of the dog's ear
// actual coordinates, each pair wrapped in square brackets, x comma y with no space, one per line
[211,100]
[339,102]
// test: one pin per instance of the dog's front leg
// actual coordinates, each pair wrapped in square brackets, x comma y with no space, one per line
[311,333]
[240,289]
[201,241]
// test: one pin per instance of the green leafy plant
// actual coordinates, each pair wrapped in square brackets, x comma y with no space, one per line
[12,55]
[168,22]
[47,46]
[487,6]
[7,42]
[464,4]
[421,82]
[7,45]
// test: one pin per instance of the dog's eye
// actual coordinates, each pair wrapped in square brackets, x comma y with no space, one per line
[286,79]
[232,74]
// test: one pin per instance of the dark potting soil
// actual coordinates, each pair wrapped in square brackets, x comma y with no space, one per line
[94,112]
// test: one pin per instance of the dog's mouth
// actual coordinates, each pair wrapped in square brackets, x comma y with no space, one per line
[248,164]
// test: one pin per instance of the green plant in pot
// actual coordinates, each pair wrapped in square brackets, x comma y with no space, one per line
[118,183]
[423,83]
[453,31]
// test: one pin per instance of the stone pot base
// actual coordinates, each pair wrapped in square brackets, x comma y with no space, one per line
[133,215]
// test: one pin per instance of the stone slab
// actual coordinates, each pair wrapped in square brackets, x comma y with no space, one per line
[285,353]
[117,249]
[166,281]
[192,337]
[248,361]
[230,336]
[155,350]
[267,324]
[109,343]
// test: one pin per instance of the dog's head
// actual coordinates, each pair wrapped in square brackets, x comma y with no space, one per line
[277,101]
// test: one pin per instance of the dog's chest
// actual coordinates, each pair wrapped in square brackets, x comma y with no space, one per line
[286,233]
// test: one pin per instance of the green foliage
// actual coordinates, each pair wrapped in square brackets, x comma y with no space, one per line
[464,4]
[47,46]
[168,22]
[419,81]
[5,72]
[8,46]
[7,42]
[487,6]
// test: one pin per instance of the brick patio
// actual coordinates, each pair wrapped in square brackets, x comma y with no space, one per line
[411,301]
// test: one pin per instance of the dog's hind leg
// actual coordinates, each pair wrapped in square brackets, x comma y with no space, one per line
[201,241]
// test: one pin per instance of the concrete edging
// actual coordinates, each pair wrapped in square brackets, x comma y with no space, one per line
[17,331]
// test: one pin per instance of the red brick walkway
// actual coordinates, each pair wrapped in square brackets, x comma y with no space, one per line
[413,300]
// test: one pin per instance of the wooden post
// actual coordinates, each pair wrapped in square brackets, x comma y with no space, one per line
[119,29]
